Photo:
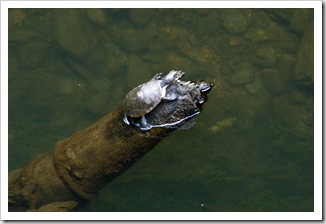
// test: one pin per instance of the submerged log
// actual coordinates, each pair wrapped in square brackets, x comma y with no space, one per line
[80,165]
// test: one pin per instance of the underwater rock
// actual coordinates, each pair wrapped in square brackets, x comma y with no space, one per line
[71,33]
[297,97]
[274,81]
[33,53]
[96,16]
[16,17]
[235,21]
[22,35]
[114,59]
[285,64]
[265,57]
[62,206]
[142,16]
[207,21]
[195,53]
[133,40]
[301,18]
[254,86]
[170,33]
[177,60]
[282,16]
[304,69]
[99,98]
[244,74]
[136,70]
[236,41]
[221,125]
[258,34]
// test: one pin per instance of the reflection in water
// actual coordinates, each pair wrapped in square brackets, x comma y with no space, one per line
[252,146]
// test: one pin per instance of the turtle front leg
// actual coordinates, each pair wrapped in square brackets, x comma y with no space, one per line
[144,126]
[125,119]
[170,96]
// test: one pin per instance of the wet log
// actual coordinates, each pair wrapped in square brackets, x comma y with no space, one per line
[90,159]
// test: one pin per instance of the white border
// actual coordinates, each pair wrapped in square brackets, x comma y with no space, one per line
[316,215]
[161,4]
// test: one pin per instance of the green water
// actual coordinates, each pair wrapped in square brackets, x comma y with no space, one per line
[251,148]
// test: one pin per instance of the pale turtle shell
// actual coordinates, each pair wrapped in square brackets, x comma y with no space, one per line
[144,98]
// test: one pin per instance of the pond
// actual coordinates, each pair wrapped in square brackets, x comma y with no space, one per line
[251,148]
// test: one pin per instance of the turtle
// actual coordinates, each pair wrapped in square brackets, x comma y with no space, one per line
[189,101]
[145,97]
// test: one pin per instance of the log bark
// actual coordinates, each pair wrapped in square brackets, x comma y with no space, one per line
[90,159]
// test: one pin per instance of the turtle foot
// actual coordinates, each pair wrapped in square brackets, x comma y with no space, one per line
[144,126]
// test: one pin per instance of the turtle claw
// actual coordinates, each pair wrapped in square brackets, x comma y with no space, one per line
[157,76]
[174,75]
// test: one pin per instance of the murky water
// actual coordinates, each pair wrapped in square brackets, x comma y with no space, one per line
[251,148]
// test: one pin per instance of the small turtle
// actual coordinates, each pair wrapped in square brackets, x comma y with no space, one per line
[145,97]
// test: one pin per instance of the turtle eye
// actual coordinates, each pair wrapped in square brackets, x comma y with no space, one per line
[201,101]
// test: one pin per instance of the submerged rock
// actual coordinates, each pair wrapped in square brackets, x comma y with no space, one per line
[258,35]
[136,70]
[244,74]
[265,57]
[33,53]
[71,33]
[221,125]
[235,21]
[254,86]
[304,69]
[96,16]
[274,81]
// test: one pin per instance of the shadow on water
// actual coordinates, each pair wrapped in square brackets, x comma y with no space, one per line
[251,148]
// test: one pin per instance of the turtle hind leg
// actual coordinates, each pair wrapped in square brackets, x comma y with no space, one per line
[144,126]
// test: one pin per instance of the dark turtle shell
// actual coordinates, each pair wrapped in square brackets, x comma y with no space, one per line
[173,114]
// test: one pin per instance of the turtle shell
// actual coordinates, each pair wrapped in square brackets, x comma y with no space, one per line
[144,98]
